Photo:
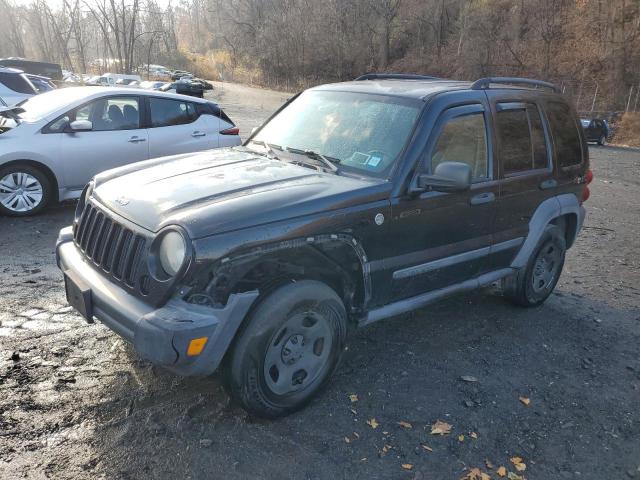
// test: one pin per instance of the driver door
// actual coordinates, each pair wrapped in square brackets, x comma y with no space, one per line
[117,138]
[445,238]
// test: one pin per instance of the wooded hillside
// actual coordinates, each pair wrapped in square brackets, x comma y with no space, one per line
[589,47]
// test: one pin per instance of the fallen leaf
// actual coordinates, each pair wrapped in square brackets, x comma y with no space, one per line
[355,434]
[468,378]
[474,435]
[514,476]
[404,424]
[461,438]
[353,397]
[519,464]
[525,401]
[386,448]
[353,411]
[347,439]
[427,448]
[476,474]
[440,428]
[372,423]
[407,466]
[501,471]
[488,463]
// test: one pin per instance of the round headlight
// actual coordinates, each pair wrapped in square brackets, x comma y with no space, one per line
[173,249]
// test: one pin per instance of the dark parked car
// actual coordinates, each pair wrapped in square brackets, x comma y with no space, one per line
[353,203]
[184,87]
[178,74]
[45,69]
[595,130]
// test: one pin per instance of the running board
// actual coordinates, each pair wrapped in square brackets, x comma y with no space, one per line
[408,304]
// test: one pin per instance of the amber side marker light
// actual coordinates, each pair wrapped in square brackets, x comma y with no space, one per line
[196,346]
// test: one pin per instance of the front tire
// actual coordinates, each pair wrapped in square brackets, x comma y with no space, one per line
[288,350]
[532,285]
[24,190]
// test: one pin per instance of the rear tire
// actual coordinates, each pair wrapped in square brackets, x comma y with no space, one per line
[602,141]
[24,190]
[289,348]
[532,285]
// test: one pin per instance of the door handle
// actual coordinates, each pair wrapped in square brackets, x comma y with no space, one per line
[137,139]
[550,183]
[198,134]
[482,198]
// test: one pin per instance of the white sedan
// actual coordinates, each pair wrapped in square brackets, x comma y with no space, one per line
[52,144]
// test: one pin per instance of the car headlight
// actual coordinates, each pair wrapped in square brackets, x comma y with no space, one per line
[172,252]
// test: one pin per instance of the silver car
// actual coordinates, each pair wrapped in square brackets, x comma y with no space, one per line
[52,144]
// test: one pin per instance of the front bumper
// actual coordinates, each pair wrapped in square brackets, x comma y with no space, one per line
[159,335]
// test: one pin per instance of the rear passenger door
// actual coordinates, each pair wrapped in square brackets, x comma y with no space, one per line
[179,126]
[526,177]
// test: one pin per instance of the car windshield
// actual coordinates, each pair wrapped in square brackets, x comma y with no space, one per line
[364,133]
[45,104]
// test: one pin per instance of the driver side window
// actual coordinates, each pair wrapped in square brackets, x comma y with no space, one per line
[464,139]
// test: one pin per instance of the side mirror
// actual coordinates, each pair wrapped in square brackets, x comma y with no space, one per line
[81,126]
[447,177]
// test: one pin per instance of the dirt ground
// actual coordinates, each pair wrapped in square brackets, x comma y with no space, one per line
[77,403]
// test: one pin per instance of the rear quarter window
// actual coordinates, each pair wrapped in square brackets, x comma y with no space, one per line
[566,137]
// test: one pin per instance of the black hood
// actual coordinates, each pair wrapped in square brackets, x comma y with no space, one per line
[227,189]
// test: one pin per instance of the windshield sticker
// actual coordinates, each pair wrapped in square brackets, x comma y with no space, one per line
[374,161]
[360,158]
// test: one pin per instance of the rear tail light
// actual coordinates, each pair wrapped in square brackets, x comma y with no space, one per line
[588,177]
[586,193]
[230,131]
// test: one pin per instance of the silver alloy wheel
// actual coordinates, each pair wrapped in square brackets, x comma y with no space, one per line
[20,192]
[298,353]
[546,268]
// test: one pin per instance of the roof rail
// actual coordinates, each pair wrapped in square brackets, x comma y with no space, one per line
[485,83]
[394,76]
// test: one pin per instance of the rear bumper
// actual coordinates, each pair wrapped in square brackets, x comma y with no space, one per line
[159,335]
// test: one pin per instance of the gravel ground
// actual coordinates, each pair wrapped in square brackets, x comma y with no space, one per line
[76,402]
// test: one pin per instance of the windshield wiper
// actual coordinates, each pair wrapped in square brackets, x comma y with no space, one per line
[329,162]
[269,148]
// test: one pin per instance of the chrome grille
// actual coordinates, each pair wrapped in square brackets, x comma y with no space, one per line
[111,246]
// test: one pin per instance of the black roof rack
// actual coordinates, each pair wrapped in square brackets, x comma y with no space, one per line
[485,83]
[394,76]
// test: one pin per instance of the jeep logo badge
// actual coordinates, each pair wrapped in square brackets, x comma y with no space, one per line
[122,200]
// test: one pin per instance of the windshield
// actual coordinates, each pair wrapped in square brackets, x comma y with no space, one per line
[364,133]
[45,104]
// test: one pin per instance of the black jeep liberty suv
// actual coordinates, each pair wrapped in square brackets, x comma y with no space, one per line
[354,202]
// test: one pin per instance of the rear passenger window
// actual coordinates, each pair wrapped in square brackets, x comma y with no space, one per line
[165,112]
[463,139]
[522,141]
[565,134]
